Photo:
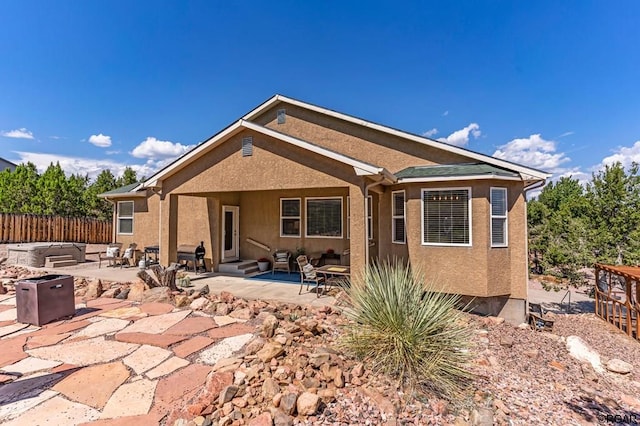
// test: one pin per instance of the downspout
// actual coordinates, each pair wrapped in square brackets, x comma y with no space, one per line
[366,217]
[155,191]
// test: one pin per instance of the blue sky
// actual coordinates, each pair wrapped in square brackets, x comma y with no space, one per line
[106,84]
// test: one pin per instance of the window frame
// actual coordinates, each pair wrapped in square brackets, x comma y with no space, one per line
[306,217]
[394,217]
[282,235]
[469,211]
[493,216]
[119,217]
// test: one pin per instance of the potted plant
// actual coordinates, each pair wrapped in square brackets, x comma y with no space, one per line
[183,280]
[263,264]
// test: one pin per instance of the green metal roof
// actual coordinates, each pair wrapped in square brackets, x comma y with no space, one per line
[454,170]
[119,191]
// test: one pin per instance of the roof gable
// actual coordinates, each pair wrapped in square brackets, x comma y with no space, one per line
[528,173]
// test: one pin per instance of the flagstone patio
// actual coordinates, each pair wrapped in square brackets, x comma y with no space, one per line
[119,363]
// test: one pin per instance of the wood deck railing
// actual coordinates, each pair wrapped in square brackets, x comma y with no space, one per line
[620,308]
[23,228]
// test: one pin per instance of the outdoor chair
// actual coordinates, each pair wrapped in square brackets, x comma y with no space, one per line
[281,261]
[537,319]
[110,255]
[309,275]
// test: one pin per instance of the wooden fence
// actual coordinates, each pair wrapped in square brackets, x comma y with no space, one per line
[23,228]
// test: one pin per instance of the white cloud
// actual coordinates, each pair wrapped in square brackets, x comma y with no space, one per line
[444,114]
[154,149]
[21,133]
[535,152]
[83,166]
[566,134]
[112,152]
[623,154]
[430,133]
[461,137]
[100,140]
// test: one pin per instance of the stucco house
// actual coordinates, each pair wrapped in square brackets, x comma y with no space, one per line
[290,174]
[6,164]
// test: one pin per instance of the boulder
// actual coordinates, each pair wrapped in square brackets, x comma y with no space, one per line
[618,366]
[264,419]
[269,326]
[136,291]
[269,351]
[227,394]
[288,403]
[307,404]
[582,352]
[199,303]
[157,295]
[244,314]
[94,289]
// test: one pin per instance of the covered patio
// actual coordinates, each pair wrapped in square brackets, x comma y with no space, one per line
[617,294]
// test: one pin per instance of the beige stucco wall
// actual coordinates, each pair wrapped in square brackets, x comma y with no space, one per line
[478,270]
[363,143]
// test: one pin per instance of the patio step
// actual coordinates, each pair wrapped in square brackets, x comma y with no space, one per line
[59,261]
[244,267]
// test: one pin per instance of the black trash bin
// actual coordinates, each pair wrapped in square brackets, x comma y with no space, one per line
[44,299]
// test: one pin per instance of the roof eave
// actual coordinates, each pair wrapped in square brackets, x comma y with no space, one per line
[457,178]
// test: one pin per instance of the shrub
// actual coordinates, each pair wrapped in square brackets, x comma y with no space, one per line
[405,329]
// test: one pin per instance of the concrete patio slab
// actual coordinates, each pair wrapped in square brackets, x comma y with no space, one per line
[130,399]
[56,411]
[157,324]
[85,352]
[93,385]
[145,358]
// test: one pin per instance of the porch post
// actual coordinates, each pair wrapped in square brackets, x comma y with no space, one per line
[169,229]
[357,231]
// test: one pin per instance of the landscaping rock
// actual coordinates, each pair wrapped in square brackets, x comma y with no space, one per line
[94,289]
[136,291]
[157,295]
[269,351]
[288,403]
[227,394]
[582,352]
[269,326]
[307,404]
[618,366]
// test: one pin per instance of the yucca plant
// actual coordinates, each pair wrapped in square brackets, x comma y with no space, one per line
[402,327]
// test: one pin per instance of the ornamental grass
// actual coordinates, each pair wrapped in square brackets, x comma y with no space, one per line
[402,327]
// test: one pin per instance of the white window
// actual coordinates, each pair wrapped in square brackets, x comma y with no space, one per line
[290,217]
[398,217]
[324,217]
[125,217]
[446,217]
[499,229]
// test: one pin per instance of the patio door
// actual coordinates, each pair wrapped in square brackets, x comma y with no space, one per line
[230,234]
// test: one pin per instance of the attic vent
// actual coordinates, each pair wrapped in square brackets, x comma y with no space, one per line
[247,146]
[282,116]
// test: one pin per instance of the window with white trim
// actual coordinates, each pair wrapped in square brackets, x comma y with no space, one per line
[324,217]
[398,219]
[446,217]
[499,229]
[290,217]
[125,217]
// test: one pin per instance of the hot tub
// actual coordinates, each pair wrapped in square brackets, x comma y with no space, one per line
[35,254]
